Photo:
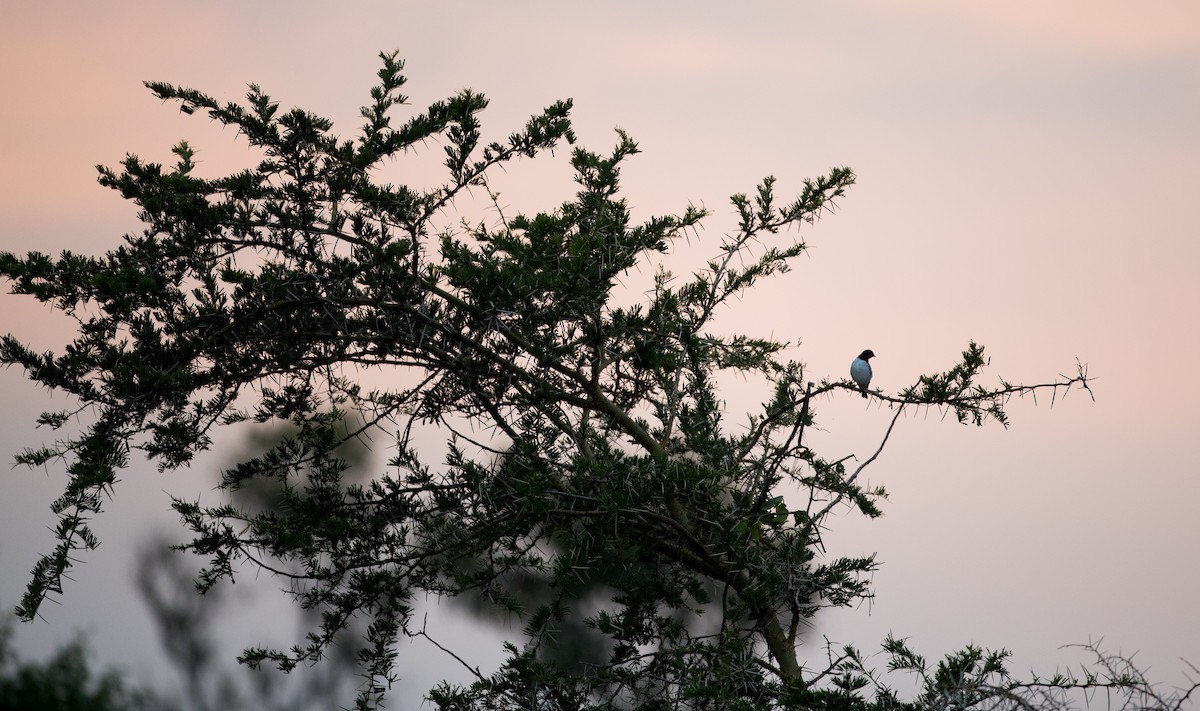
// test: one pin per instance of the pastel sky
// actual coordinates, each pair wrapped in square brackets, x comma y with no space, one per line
[1028,174]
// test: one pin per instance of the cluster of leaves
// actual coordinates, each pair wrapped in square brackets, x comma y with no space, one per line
[606,461]
[66,681]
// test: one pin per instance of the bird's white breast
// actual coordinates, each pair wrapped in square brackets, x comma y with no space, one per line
[860,370]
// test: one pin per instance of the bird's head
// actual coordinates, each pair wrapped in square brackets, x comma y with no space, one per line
[866,355]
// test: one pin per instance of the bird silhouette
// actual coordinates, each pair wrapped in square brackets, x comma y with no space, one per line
[860,370]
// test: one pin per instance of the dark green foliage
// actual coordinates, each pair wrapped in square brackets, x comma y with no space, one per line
[64,682]
[589,449]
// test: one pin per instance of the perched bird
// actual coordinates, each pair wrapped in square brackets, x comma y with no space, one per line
[860,370]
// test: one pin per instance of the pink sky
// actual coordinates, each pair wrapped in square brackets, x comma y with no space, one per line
[1027,178]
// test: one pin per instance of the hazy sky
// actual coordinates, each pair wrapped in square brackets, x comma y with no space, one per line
[1028,174]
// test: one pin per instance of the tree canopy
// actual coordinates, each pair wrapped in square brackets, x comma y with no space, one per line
[587,443]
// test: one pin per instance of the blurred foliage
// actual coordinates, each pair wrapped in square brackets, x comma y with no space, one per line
[66,681]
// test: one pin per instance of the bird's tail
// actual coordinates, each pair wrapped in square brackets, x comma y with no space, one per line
[864,393]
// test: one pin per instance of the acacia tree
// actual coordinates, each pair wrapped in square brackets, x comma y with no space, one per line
[279,292]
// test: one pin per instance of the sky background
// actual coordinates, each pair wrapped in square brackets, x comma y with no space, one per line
[1028,174]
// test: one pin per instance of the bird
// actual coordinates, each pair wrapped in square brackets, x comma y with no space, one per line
[860,370]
